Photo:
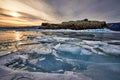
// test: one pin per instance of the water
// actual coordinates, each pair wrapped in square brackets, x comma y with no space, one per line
[95,55]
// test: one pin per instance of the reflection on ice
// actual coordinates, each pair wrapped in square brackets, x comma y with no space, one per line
[18,36]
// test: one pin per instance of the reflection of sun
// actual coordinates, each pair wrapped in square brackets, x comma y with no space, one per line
[17,35]
[15,14]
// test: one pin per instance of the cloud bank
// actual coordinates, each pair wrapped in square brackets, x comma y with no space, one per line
[34,12]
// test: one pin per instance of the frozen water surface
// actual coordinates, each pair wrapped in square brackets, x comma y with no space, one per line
[43,55]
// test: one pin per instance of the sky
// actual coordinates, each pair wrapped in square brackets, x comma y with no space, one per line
[35,12]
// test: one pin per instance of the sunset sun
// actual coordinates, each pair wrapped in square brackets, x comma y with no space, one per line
[15,14]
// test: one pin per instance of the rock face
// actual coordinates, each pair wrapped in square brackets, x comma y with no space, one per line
[76,25]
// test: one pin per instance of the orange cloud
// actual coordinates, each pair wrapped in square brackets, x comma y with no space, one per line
[18,12]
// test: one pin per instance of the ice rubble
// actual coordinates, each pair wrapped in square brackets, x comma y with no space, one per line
[54,54]
[102,46]
[15,75]
[54,39]
[60,58]
[50,62]
[69,30]
[110,49]
[70,49]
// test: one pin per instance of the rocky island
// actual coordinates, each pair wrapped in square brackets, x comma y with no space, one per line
[76,25]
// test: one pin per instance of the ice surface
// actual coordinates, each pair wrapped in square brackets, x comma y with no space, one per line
[69,49]
[44,76]
[69,30]
[111,49]
[54,57]
[103,71]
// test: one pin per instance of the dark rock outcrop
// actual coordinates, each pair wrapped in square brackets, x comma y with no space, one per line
[76,25]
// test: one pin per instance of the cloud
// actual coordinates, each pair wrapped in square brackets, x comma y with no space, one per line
[32,11]
[38,11]
[92,9]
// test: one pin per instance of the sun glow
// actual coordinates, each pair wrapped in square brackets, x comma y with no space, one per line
[17,36]
[15,14]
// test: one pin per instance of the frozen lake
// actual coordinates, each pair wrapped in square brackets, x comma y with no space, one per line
[82,55]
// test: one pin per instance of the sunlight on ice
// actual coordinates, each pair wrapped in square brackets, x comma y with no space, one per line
[17,35]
